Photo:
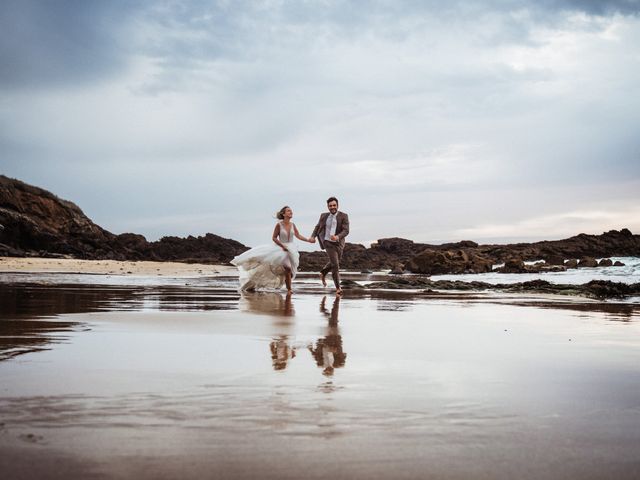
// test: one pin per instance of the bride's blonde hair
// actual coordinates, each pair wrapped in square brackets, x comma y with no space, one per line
[280,213]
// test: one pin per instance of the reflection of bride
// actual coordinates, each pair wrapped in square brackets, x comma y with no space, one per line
[269,266]
[328,351]
[281,352]
[270,303]
[273,304]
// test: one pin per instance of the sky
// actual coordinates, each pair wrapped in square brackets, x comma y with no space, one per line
[493,121]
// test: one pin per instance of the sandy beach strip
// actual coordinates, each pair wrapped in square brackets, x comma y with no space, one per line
[110,267]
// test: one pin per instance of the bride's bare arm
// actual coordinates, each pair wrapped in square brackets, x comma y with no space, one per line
[276,239]
[298,236]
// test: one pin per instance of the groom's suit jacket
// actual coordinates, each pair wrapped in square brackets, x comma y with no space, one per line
[342,228]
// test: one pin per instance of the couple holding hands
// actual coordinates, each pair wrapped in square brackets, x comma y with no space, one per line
[271,266]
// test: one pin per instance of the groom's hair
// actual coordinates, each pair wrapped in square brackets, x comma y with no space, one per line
[332,199]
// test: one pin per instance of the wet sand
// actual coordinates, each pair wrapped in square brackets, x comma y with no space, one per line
[196,381]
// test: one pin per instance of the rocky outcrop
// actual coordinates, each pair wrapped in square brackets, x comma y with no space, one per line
[573,263]
[608,244]
[35,220]
[38,223]
[517,265]
[434,262]
[587,262]
[513,265]
[600,289]
[390,253]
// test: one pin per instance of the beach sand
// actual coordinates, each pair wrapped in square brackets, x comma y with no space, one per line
[110,267]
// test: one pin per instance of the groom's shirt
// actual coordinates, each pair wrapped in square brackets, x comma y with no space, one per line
[331,225]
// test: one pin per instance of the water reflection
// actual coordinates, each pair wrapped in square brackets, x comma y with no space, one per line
[29,311]
[24,336]
[328,351]
[270,303]
[281,309]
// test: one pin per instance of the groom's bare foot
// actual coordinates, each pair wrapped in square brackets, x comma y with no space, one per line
[323,279]
[338,291]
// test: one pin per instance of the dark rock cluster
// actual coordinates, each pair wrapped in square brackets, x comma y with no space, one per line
[600,289]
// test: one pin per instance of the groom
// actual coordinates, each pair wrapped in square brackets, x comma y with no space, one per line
[331,229]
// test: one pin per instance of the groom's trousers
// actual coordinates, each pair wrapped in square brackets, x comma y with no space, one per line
[334,251]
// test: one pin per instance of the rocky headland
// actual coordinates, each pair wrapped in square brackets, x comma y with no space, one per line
[35,222]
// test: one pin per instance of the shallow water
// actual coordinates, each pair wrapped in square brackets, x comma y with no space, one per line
[192,381]
[629,273]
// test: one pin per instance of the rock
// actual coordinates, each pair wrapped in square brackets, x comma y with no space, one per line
[402,283]
[366,271]
[605,262]
[595,289]
[7,251]
[618,263]
[38,222]
[551,268]
[573,263]
[398,269]
[434,262]
[554,259]
[350,285]
[517,265]
[609,289]
[513,265]
[587,262]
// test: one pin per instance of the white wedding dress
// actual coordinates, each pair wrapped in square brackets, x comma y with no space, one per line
[263,266]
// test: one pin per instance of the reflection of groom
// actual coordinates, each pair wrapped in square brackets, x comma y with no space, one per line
[331,229]
[328,351]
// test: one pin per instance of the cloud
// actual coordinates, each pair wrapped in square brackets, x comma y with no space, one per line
[217,113]
[560,225]
[63,43]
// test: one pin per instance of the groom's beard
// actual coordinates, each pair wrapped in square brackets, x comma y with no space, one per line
[333,211]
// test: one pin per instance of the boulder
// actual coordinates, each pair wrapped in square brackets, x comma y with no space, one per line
[350,285]
[554,259]
[434,262]
[573,263]
[618,263]
[605,262]
[589,262]
[398,269]
[513,265]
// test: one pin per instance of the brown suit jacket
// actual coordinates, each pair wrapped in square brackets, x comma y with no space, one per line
[342,228]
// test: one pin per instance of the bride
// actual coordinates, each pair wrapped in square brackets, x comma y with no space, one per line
[269,266]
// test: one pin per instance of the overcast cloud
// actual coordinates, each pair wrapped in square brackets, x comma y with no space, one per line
[435,121]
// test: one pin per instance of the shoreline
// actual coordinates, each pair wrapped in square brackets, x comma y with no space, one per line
[422,285]
[110,267]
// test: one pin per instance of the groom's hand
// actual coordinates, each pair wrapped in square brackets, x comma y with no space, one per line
[312,240]
[334,238]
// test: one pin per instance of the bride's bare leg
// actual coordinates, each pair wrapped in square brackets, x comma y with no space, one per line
[287,279]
